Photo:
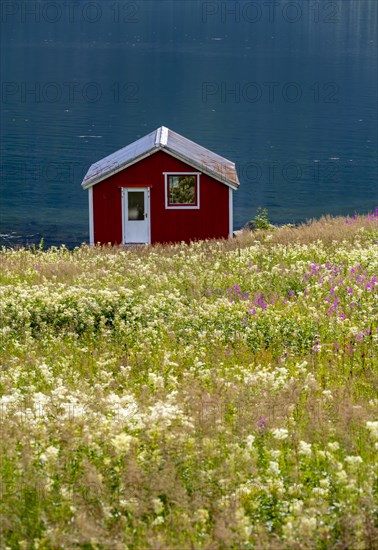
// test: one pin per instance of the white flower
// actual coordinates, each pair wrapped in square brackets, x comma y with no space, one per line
[201,515]
[249,441]
[304,448]
[158,521]
[280,433]
[158,506]
[122,442]
[373,429]
[274,467]
[354,460]
[51,452]
[156,380]
[328,394]
[324,483]
[296,506]
[319,492]
[342,476]
[333,445]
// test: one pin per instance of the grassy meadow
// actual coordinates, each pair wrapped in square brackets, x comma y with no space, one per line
[222,395]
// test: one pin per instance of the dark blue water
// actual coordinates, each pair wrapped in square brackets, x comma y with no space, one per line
[287,90]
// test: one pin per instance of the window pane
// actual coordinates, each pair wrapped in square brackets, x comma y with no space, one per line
[136,205]
[182,190]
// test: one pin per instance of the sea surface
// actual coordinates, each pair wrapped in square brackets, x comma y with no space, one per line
[285,89]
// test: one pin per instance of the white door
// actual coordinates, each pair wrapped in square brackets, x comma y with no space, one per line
[136,215]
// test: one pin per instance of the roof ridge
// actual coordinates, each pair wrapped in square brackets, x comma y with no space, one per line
[161,139]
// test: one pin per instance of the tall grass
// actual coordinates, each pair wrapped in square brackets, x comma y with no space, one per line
[217,395]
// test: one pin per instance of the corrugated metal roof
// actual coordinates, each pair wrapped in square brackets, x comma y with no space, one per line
[172,143]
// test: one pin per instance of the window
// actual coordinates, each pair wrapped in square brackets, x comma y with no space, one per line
[182,190]
[135,205]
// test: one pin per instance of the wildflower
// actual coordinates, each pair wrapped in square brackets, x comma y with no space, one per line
[122,442]
[274,467]
[354,460]
[304,448]
[249,441]
[261,424]
[280,433]
[51,452]
[327,394]
[373,429]
[157,505]
[201,515]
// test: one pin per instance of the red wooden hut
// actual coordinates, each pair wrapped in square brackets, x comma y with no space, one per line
[161,188]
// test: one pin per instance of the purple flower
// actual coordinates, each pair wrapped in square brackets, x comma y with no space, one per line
[237,288]
[336,345]
[291,292]
[261,424]
[342,316]
[350,290]
[252,311]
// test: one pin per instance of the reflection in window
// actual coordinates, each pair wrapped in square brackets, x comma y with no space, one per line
[135,205]
[182,190]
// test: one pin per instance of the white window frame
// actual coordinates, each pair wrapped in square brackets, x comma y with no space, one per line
[186,206]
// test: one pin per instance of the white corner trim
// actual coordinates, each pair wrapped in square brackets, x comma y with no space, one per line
[164,136]
[230,214]
[91,224]
[169,207]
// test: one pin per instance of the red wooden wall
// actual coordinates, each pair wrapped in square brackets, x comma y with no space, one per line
[211,220]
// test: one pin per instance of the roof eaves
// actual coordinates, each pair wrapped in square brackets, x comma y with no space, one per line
[203,168]
[104,175]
